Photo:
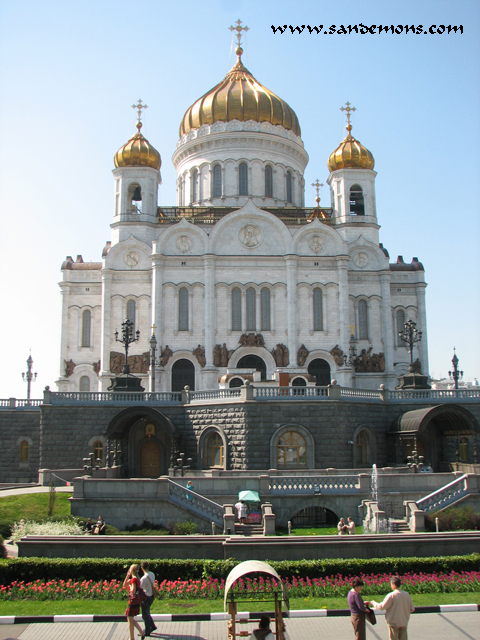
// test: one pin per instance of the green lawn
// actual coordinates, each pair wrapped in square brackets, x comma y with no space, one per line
[115,607]
[314,531]
[32,506]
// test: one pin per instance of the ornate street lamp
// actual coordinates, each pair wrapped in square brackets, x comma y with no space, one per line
[154,363]
[410,335]
[414,379]
[128,336]
[29,377]
[415,461]
[456,374]
[183,464]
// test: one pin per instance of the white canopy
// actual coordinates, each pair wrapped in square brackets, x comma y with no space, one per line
[252,566]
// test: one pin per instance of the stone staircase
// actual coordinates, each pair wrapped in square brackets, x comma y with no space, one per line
[399,526]
[249,529]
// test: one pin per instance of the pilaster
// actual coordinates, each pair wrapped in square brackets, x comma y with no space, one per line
[291,265]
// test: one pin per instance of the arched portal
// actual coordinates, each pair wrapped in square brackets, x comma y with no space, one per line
[320,370]
[183,373]
[235,382]
[252,361]
[314,517]
[150,459]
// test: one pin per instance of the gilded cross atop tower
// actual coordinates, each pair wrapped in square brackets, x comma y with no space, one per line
[317,186]
[348,110]
[239,30]
[139,106]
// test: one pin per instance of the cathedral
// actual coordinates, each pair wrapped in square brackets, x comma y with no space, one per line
[240,280]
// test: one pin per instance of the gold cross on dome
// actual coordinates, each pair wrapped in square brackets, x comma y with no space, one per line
[352,329]
[348,109]
[317,186]
[139,106]
[239,30]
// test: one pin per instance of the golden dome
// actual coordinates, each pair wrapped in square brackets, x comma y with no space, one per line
[350,155]
[138,152]
[239,97]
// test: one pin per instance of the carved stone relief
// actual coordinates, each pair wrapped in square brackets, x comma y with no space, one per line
[184,243]
[302,355]
[337,354]
[69,367]
[199,353]
[368,362]
[251,340]
[137,363]
[281,355]
[131,259]
[166,354]
[221,355]
[316,243]
[361,260]
[250,236]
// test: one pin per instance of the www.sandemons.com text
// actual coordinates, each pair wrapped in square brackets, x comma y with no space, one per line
[365,29]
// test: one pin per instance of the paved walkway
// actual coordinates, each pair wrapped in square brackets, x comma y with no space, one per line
[438,626]
[35,489]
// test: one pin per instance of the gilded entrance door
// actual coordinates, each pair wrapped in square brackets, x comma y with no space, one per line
[150,460]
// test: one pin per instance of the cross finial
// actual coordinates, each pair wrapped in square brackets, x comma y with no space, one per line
[317,186]
[238,28]
[139,106]
[348,109]
[352,329]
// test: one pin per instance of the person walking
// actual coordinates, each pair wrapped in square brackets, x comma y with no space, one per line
[190,488]
[132,583]
[357,609]
[147,583]
[241,508]
[398,606]
[351,527]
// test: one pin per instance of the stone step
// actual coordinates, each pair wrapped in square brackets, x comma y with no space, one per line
[249,529]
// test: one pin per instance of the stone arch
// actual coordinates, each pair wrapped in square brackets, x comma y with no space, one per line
[314,501]
[320,369]
[309,441]
[182,354]
[166,242]
[322,355]
[261,352]
[371,446]
[202,441]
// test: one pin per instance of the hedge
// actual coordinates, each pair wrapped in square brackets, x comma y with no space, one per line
[3,553]
[30,569]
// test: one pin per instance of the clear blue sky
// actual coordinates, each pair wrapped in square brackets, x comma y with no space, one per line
[70,71]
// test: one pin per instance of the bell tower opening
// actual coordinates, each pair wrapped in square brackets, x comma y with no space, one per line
[357,202]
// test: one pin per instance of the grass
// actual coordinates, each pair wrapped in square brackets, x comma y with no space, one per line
[314,531]
[114,607]
[32,506]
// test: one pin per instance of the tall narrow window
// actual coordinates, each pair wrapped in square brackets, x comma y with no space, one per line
[24,451]
[357,204]
[214,451]
[243,179]
[361,449]
[84,383]
[317,310]
[131,311]
[289,187]
[180,192]
[400,326]
[362,320]
[265,308]
[251,310]
[268,182]
[217,181]
[183,309]
[195,186]
[86,328]
[236,310]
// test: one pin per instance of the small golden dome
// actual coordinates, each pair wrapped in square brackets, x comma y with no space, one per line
[239,97]
[350,154]
[138,152]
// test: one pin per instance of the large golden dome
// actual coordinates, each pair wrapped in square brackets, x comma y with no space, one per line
[239,97]
[350,154]
[138,152]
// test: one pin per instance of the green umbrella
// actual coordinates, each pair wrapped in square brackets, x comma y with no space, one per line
[248,496]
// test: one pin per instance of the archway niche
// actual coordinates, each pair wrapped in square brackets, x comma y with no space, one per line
[235,382]
[320,370]
[314,516]
[252,361]
[183,373]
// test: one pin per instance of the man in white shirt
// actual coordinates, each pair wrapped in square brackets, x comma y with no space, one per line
[351,527]
[147,583]
[398,606]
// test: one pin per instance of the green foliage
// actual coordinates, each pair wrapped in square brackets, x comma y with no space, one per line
[3,552]
[145,529]
[114,568]
[31,506]
[6,529]
[184,528]
[454,519]
[52,497]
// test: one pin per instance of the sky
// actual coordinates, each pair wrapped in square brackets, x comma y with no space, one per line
[70,71]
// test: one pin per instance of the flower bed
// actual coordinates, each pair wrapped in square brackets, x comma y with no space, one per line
[212,588]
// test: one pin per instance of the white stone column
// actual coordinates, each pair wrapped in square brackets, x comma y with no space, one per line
[387,321]
[209,308]
[258,312]
[62,383]
[291,264]
[343,317]
[422,325]
[106,333]
[157,293]
[244,311]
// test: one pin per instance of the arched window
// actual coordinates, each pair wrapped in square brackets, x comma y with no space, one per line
[463,449]
[183,374]
[130,312]
[317,310]
[195,186]
[357,205]
[243,179]
[98,451]
[289,187]
[265,308]
[400,326]
[361,449]
[214,452]
[236,309]
[86,328]
[24,450]
[235,383]
[253,362]
[136,197]
[217,181]
[291,450]
[84,383]
[268,181]
[299,382]
[320,370]
[363,320]
[183,309]
[251,309]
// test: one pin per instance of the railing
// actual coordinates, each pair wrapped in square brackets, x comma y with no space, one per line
[110,397]
[347,393]
[194,502]
[13,403]
[445,496]
[434,394]
[289,393]
[313,485]
[215,394]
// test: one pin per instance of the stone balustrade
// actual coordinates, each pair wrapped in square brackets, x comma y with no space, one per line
[448,494]
[313,485]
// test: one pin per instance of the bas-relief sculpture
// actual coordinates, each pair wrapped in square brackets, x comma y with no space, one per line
[69,367]
[199,354]
[251,340]
[166,354]
[221,355]
[337,354]
[281,355]
[368,362]
[302,355]
[137,363]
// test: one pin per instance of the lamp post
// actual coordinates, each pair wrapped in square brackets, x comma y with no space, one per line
[153,359]
[128,336]
[456,374]
[29,377]
[410,335]
[182,464]
[415,461]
